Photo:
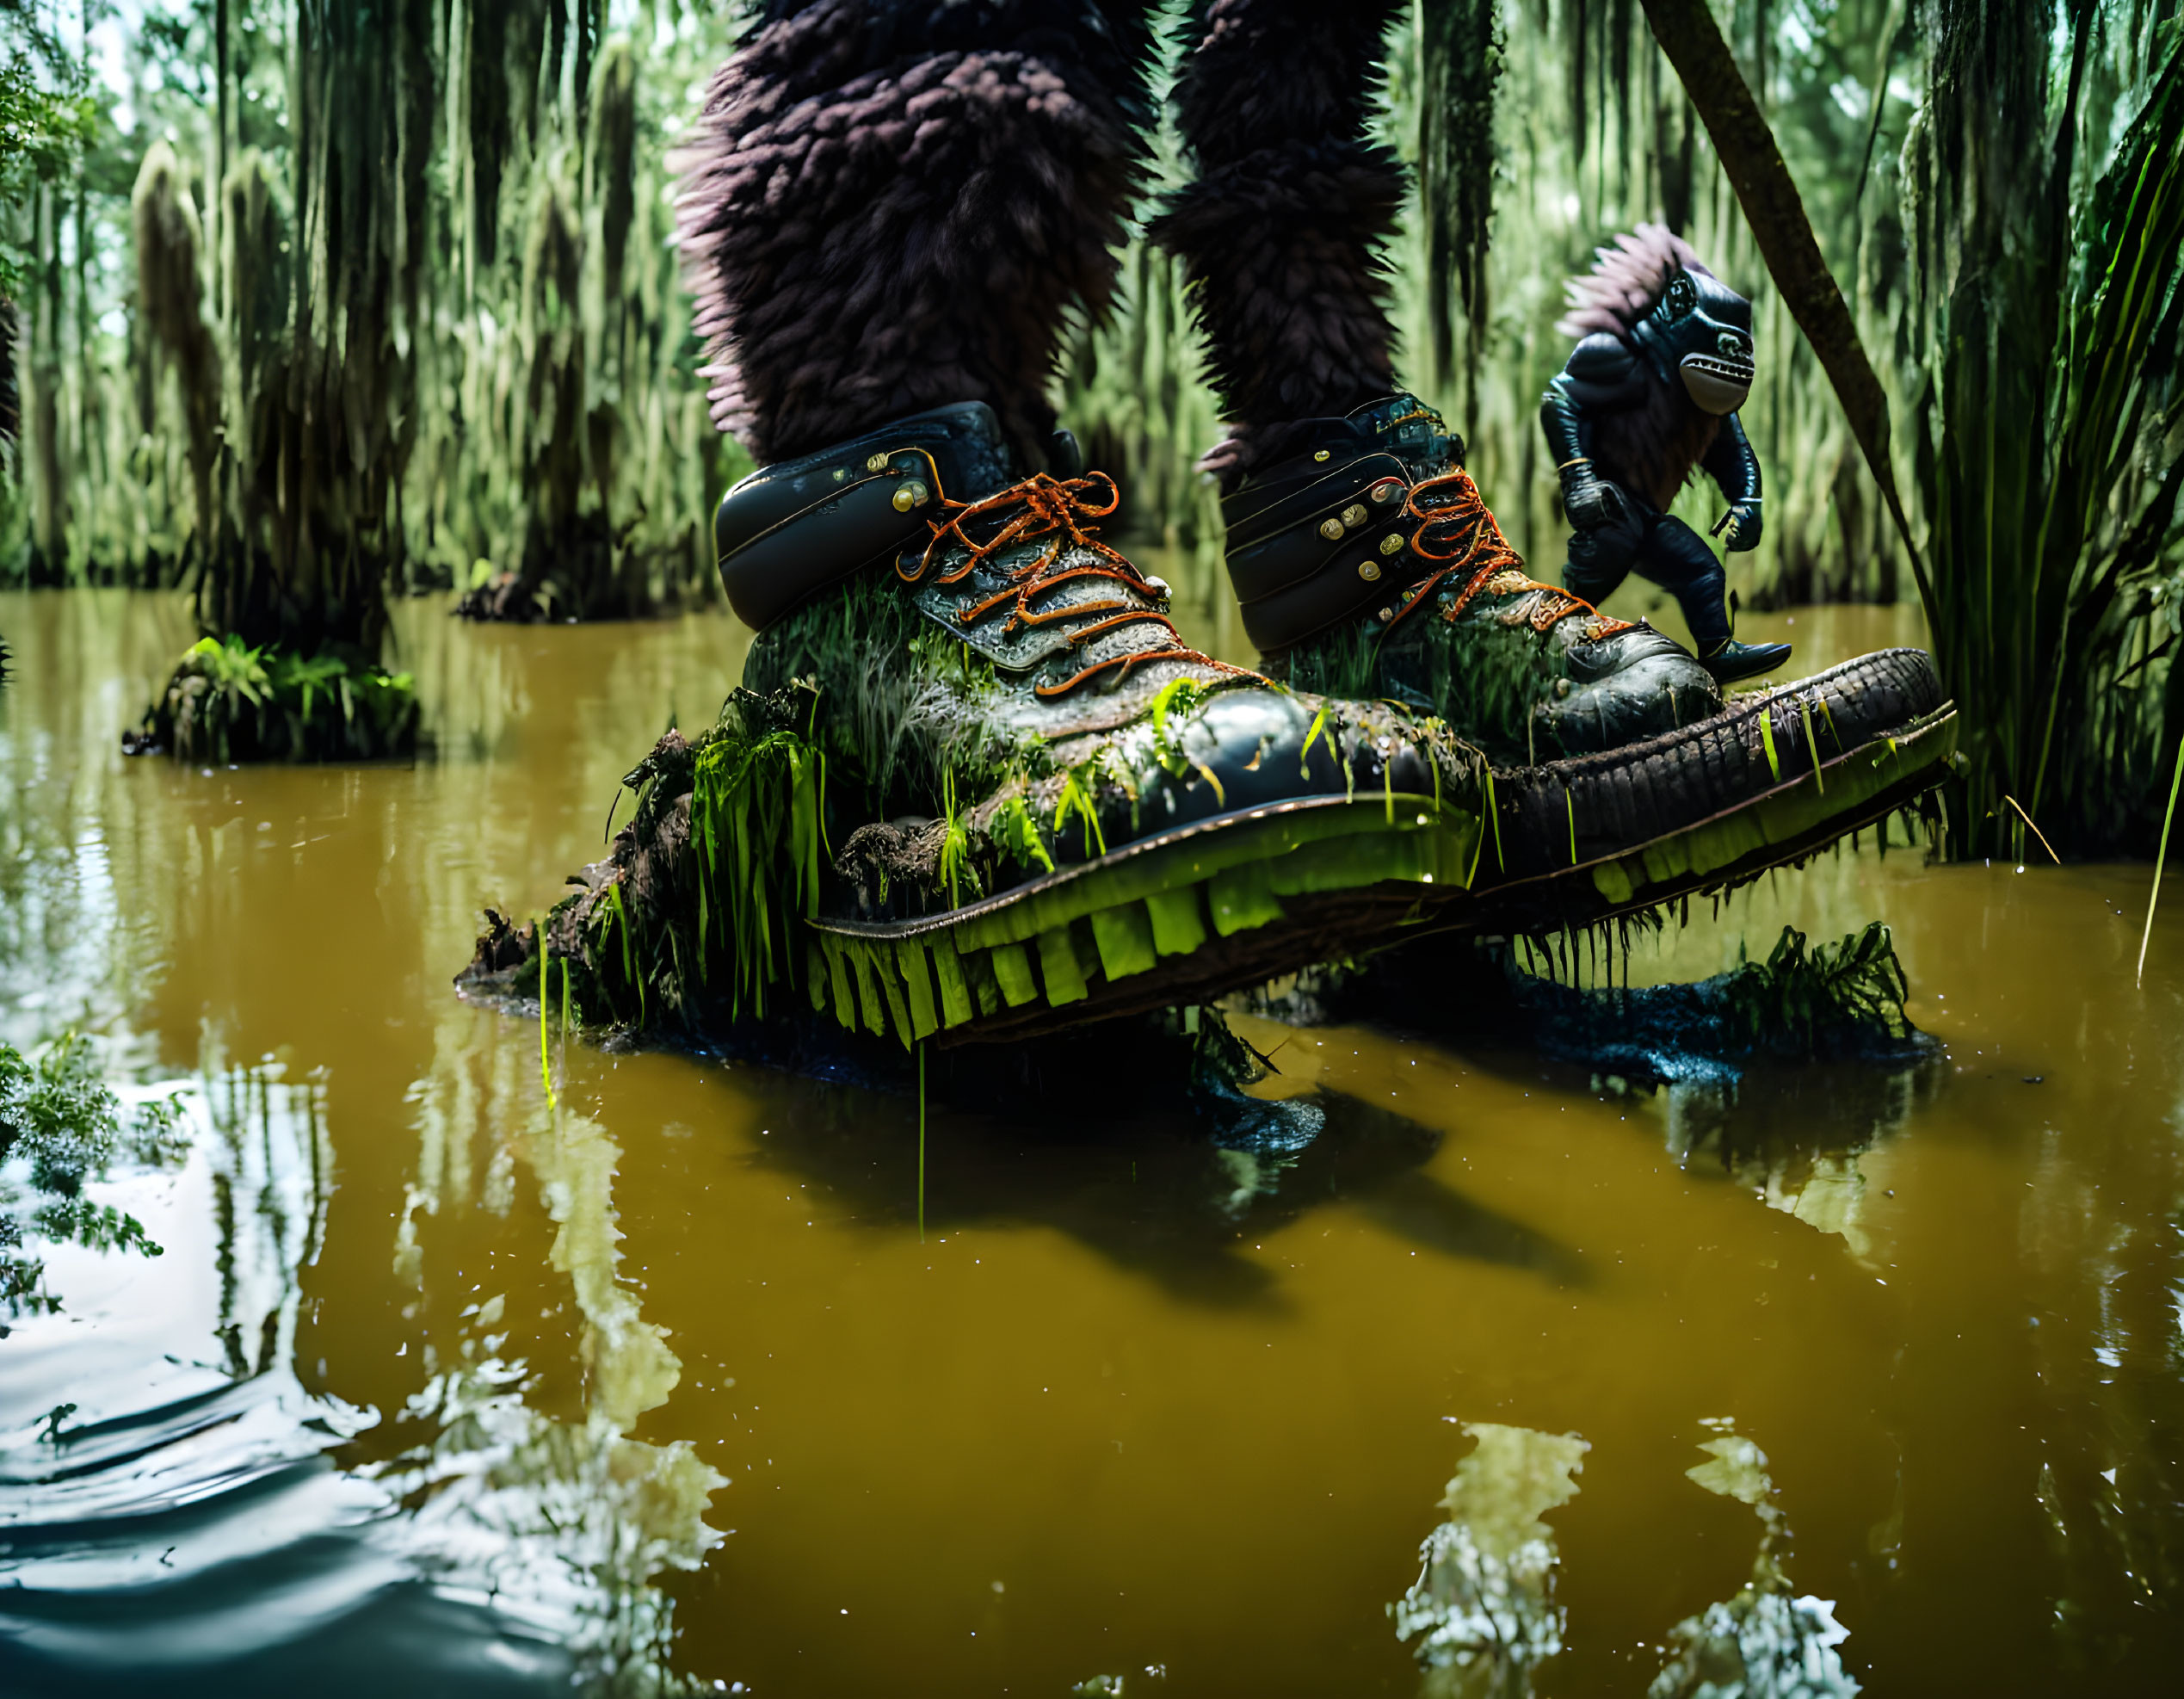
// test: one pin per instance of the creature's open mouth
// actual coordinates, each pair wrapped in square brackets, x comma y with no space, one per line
[1718,385]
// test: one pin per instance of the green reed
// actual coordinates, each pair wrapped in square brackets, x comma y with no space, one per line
[2050,467]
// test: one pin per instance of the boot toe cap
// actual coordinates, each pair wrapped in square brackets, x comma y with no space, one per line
[1657,689]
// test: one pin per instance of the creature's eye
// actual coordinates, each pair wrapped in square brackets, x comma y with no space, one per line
[1682,298]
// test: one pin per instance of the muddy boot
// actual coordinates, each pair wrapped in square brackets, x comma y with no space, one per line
[976,785]
[1367,563]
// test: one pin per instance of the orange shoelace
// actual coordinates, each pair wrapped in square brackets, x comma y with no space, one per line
[1061,511]
[1458,532]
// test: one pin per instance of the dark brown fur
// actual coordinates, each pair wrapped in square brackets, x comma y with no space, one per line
[1280,236]
[1655,447]
[887,207]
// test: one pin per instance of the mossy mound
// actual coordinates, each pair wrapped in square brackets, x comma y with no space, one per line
[231,702]
[1839,1002]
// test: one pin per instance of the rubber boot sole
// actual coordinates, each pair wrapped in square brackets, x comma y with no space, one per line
[1765,782]
[1182,915]
[1230,901]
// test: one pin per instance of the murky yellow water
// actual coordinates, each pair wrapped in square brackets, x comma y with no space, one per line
[438,1389]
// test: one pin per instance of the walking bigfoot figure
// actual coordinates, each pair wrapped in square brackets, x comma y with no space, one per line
[1650,395]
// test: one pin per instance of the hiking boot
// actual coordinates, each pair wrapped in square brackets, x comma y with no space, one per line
[1368,564]
[976,785]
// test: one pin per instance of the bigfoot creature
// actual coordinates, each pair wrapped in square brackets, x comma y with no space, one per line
[1650,394]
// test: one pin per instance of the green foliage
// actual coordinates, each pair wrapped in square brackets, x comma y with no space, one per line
[61,1128]
[46,117]
[902,705]
[1802,992]
[97,1226]
[719,864]
[958,873]
[1078,799]
[1173,702]
[58,1114]
[2056,443]
[230,701]
[1015,835]
[757,824]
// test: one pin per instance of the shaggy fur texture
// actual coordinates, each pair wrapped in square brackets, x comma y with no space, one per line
[1625,282]
[1280,235]
[1654,448]
[892,204]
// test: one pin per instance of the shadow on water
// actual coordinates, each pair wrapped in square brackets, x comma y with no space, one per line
[1778,1075]
[1157,1194]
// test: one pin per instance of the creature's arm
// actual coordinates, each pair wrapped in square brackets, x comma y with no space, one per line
[1602,376]
[1733,465]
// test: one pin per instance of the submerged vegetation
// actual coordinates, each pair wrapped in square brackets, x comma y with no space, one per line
[1838,1000]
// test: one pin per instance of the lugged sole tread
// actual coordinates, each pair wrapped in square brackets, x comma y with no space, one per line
[995,973]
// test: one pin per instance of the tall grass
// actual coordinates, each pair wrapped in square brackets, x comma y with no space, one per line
[2051,463]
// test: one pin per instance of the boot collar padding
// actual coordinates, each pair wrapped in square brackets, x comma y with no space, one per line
[789,531]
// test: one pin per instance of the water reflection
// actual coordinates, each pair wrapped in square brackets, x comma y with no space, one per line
[1765,1639]
[162,1448]
[1484,1609]
[564,1525]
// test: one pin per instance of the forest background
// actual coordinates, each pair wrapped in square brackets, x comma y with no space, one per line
[319,301]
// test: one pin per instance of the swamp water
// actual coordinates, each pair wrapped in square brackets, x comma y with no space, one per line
[441,1388]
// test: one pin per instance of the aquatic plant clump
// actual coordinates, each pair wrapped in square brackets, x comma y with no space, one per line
[1838,1001]
[230,702]
[61,1128]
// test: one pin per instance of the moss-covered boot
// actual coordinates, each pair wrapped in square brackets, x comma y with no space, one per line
[1368,564]
[975,784]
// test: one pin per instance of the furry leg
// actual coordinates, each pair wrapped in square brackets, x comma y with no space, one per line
[892,204]
[1281,234]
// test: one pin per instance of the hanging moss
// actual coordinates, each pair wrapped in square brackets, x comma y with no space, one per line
[399,397]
